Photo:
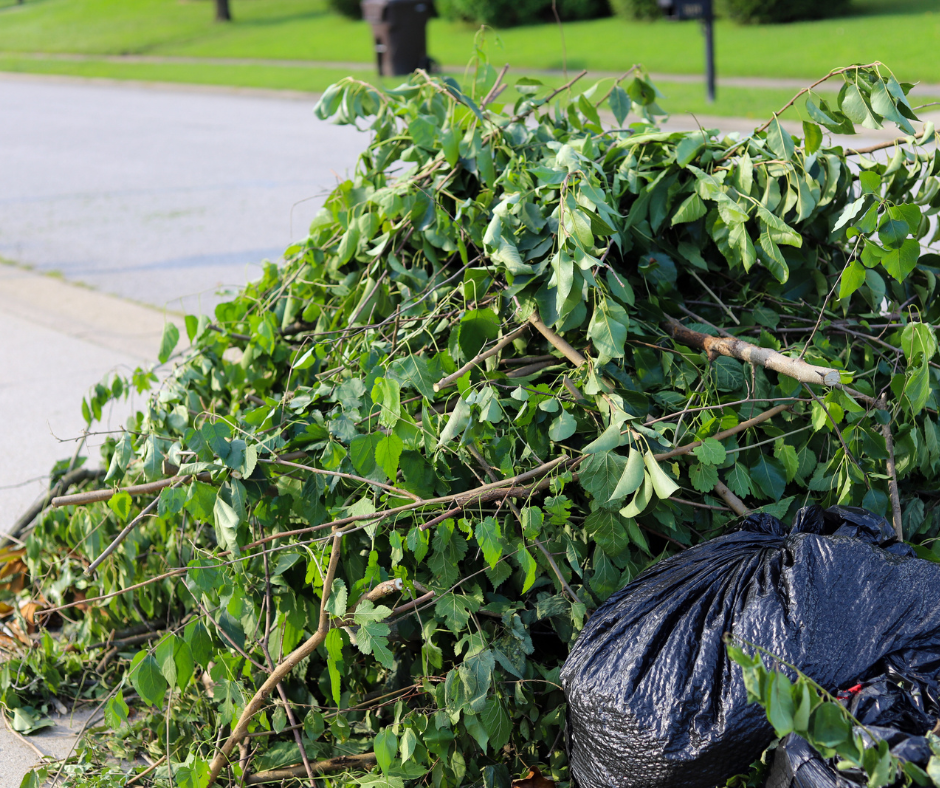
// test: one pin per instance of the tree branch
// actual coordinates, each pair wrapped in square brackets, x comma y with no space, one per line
[449,380]
[365,761]
[893,482]
[744,425]
[95,496]
[752,354]
[491,474]
[281,671]
[566,349]
[735,503]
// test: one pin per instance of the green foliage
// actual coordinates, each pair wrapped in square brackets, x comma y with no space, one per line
[776,11]
[506,13]
[351,9]
[802,707]
[636,9]
[340,412]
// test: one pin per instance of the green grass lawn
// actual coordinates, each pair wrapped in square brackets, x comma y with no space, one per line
[679,97]
[905,34]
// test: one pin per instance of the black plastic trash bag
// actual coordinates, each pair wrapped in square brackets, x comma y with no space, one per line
[891,707]
[653,699]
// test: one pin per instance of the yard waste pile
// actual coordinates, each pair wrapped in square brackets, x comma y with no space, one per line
[653,700]
[891,707]
[523,355]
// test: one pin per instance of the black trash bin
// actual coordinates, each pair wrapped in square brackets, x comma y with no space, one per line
[399,28]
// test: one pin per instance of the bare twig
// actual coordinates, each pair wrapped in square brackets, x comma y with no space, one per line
[494,91]
[146,771]
[560,344]
[449,380]
[491,474]
[713,295]
[701,319]
[127,529]
[744,425]
[351,477]
[70,478]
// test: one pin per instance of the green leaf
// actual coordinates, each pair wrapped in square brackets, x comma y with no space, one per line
[738,481]
[226,524]
[813,136]
[853,278]
[632,476]
[690,209]
[600,474]
[607,529]
[120,503]
[563,427]
[662,484]
[780,709]
[171,335]
[385,746]
[900,262]
[116,711]
[336,603]
[496,723]
[123,453]
[387,453]
[829,727]
[489,537]
[529,567]
[619,104]
[787,457]
[780,140]
[147,679]
[689,148]
[334,652]
[703,477]
[387,394]
[608,329]
[769,477]
[710,452]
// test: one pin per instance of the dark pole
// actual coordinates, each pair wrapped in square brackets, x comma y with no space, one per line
[708,29]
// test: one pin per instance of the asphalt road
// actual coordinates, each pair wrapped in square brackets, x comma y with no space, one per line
[161,196]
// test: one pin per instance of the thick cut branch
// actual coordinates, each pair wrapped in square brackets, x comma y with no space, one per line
[735,503]
[72,477]
[95,496]
[752,354]
[443,383]
[343,762]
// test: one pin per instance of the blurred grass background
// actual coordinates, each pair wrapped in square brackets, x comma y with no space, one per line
[905,34]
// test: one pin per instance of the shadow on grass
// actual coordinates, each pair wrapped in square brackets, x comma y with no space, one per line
[892,7]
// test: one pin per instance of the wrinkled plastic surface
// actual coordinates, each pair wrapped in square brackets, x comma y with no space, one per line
[895,708]
[654,701]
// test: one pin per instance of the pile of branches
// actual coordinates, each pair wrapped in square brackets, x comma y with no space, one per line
[521,356]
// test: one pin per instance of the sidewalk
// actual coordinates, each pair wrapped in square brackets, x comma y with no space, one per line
[59,339]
